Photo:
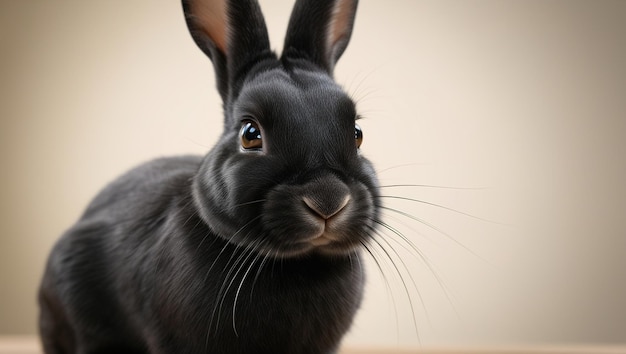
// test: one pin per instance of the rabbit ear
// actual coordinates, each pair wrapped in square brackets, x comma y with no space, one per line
[232,33]
[319,30]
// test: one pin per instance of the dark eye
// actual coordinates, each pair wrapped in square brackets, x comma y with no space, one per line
[358,135]
[250,134]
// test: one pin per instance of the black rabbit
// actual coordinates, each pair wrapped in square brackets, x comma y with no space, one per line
[254,248]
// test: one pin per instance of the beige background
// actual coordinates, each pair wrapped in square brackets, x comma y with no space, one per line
[524,101]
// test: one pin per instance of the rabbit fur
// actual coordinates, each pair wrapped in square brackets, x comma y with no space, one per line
[253,248]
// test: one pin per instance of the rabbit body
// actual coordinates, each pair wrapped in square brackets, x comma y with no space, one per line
[133,276]
[254,248]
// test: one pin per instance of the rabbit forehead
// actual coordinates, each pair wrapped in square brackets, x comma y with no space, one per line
[277,98]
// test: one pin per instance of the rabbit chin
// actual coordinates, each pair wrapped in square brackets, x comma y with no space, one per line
[318,246]
[325,238]
[331,245]
[328,238]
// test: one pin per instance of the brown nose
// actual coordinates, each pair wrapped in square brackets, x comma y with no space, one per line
[326,196]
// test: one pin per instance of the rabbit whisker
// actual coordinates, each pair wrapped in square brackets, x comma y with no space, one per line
[357,93]
[431,186]
[379,172]
[194,212]
[424,222]
[227,244]
[238,264]
[402,280]
[203,238]
[383,274]
[351,261]
[412,248]
[419,255]
[403,241]
[243,279]
[441,207]
[258,273]
[406,268]
[249,203]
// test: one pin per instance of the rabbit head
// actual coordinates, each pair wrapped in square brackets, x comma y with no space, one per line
[286,177]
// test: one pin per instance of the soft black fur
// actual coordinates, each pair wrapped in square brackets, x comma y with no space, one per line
[223,254]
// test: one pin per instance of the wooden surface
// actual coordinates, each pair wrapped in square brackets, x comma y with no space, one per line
[495,350]
[19,345]
[30,345]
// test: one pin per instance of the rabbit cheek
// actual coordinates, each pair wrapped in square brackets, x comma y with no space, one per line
[287,224]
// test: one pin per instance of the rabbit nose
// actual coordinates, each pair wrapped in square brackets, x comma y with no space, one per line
[326,196]
[326,209]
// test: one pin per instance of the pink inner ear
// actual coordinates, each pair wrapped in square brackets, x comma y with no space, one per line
[211,17]
[339,23]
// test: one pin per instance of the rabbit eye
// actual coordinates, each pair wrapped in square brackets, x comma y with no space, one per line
[358,135]
[250,134]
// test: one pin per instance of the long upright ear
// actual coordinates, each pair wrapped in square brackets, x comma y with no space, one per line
[232,33]
[319,30]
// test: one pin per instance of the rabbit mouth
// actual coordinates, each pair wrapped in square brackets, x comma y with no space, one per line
[324,244]
[328,224]
[308,227]
[321,240]
[328,243]
[324,219]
